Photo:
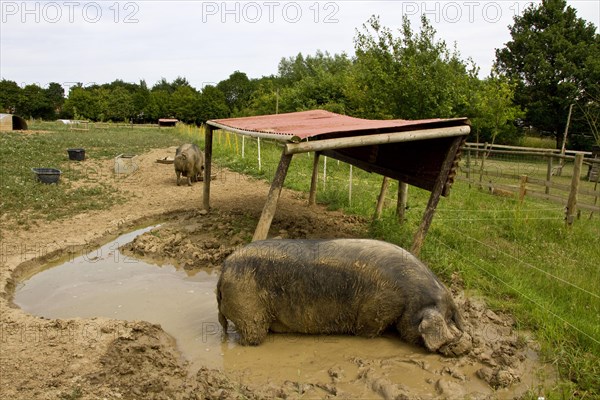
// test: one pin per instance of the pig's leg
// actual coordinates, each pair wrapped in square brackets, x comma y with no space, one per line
[178,176]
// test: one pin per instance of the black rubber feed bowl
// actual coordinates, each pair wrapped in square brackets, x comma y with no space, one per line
[76,154]
[47,175]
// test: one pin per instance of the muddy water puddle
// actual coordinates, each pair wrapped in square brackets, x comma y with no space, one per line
[106,283]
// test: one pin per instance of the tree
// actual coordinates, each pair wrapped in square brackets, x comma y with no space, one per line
[120,105]
[412,76]
[56,96]
[34,103]
[317,81]
[185,104]
[549,57]
[494,112]
[81,103]
[212,104]
[237,90]
[9,96]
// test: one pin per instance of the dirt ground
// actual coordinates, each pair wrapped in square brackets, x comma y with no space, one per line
[101,358]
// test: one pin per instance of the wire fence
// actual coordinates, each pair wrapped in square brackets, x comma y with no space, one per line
[569,179]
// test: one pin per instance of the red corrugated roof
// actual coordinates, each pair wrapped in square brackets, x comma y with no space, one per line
[305,124]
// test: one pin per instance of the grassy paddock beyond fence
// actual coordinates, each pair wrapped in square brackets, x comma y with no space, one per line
[519,255]
[520,172]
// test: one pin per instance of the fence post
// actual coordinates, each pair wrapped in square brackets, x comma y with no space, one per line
[522,188]
[548,175]
[483,157]
[572,202]
[469,166]
[243,146]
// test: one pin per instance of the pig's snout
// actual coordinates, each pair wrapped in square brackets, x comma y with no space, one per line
[443,336]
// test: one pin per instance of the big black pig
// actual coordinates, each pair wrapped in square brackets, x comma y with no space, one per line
[189,162]
[337,286]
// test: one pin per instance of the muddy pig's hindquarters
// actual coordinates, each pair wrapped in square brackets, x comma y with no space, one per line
[189,162]
[347,286]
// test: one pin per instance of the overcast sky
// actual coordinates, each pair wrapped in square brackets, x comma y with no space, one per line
[205,41]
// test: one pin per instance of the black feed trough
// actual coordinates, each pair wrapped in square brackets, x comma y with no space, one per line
[47,175]
[76,154]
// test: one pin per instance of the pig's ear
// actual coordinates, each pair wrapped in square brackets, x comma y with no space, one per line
[433,329]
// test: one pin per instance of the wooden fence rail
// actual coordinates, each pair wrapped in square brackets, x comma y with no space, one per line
[497,169]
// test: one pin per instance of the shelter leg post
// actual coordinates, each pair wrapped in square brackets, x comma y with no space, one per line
[381,198]
[208,138]
[435,196]
[402,200]
[312,197]
[262,229]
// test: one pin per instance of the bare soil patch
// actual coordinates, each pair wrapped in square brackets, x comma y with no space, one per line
[102,358]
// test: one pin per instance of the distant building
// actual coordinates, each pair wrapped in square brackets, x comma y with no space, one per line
[167,122]
[10,122]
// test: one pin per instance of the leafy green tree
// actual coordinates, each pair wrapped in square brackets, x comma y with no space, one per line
[412,76]
[161,104]
[34,103]
[237,90]
[264,98]
[317,81]
[119,105]
[212,104]
[9,96]
[56,96]
[81,103]
[494,112]
[142,103]
[551,56]
[185,104]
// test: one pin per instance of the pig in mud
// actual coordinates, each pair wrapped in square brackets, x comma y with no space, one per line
[337,286]
[189,162]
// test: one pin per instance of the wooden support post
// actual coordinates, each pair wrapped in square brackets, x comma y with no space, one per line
[438,187]
[572,202]
[469,166]
[402,200]
[259,160]
[350,187]
[262,229]
[312,196]
[522,188]
[381,198]
[208,140]
[548,175]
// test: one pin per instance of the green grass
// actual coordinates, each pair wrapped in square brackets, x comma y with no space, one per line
[538,142]
[521,257]
[25,201]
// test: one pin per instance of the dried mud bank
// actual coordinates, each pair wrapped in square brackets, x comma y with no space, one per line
[100,358]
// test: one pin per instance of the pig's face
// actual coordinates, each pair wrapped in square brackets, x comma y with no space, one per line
[442,330]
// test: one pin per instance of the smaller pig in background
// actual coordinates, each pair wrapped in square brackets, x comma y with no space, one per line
[189,162]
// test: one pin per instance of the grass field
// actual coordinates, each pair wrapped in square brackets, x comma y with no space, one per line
[520,256]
